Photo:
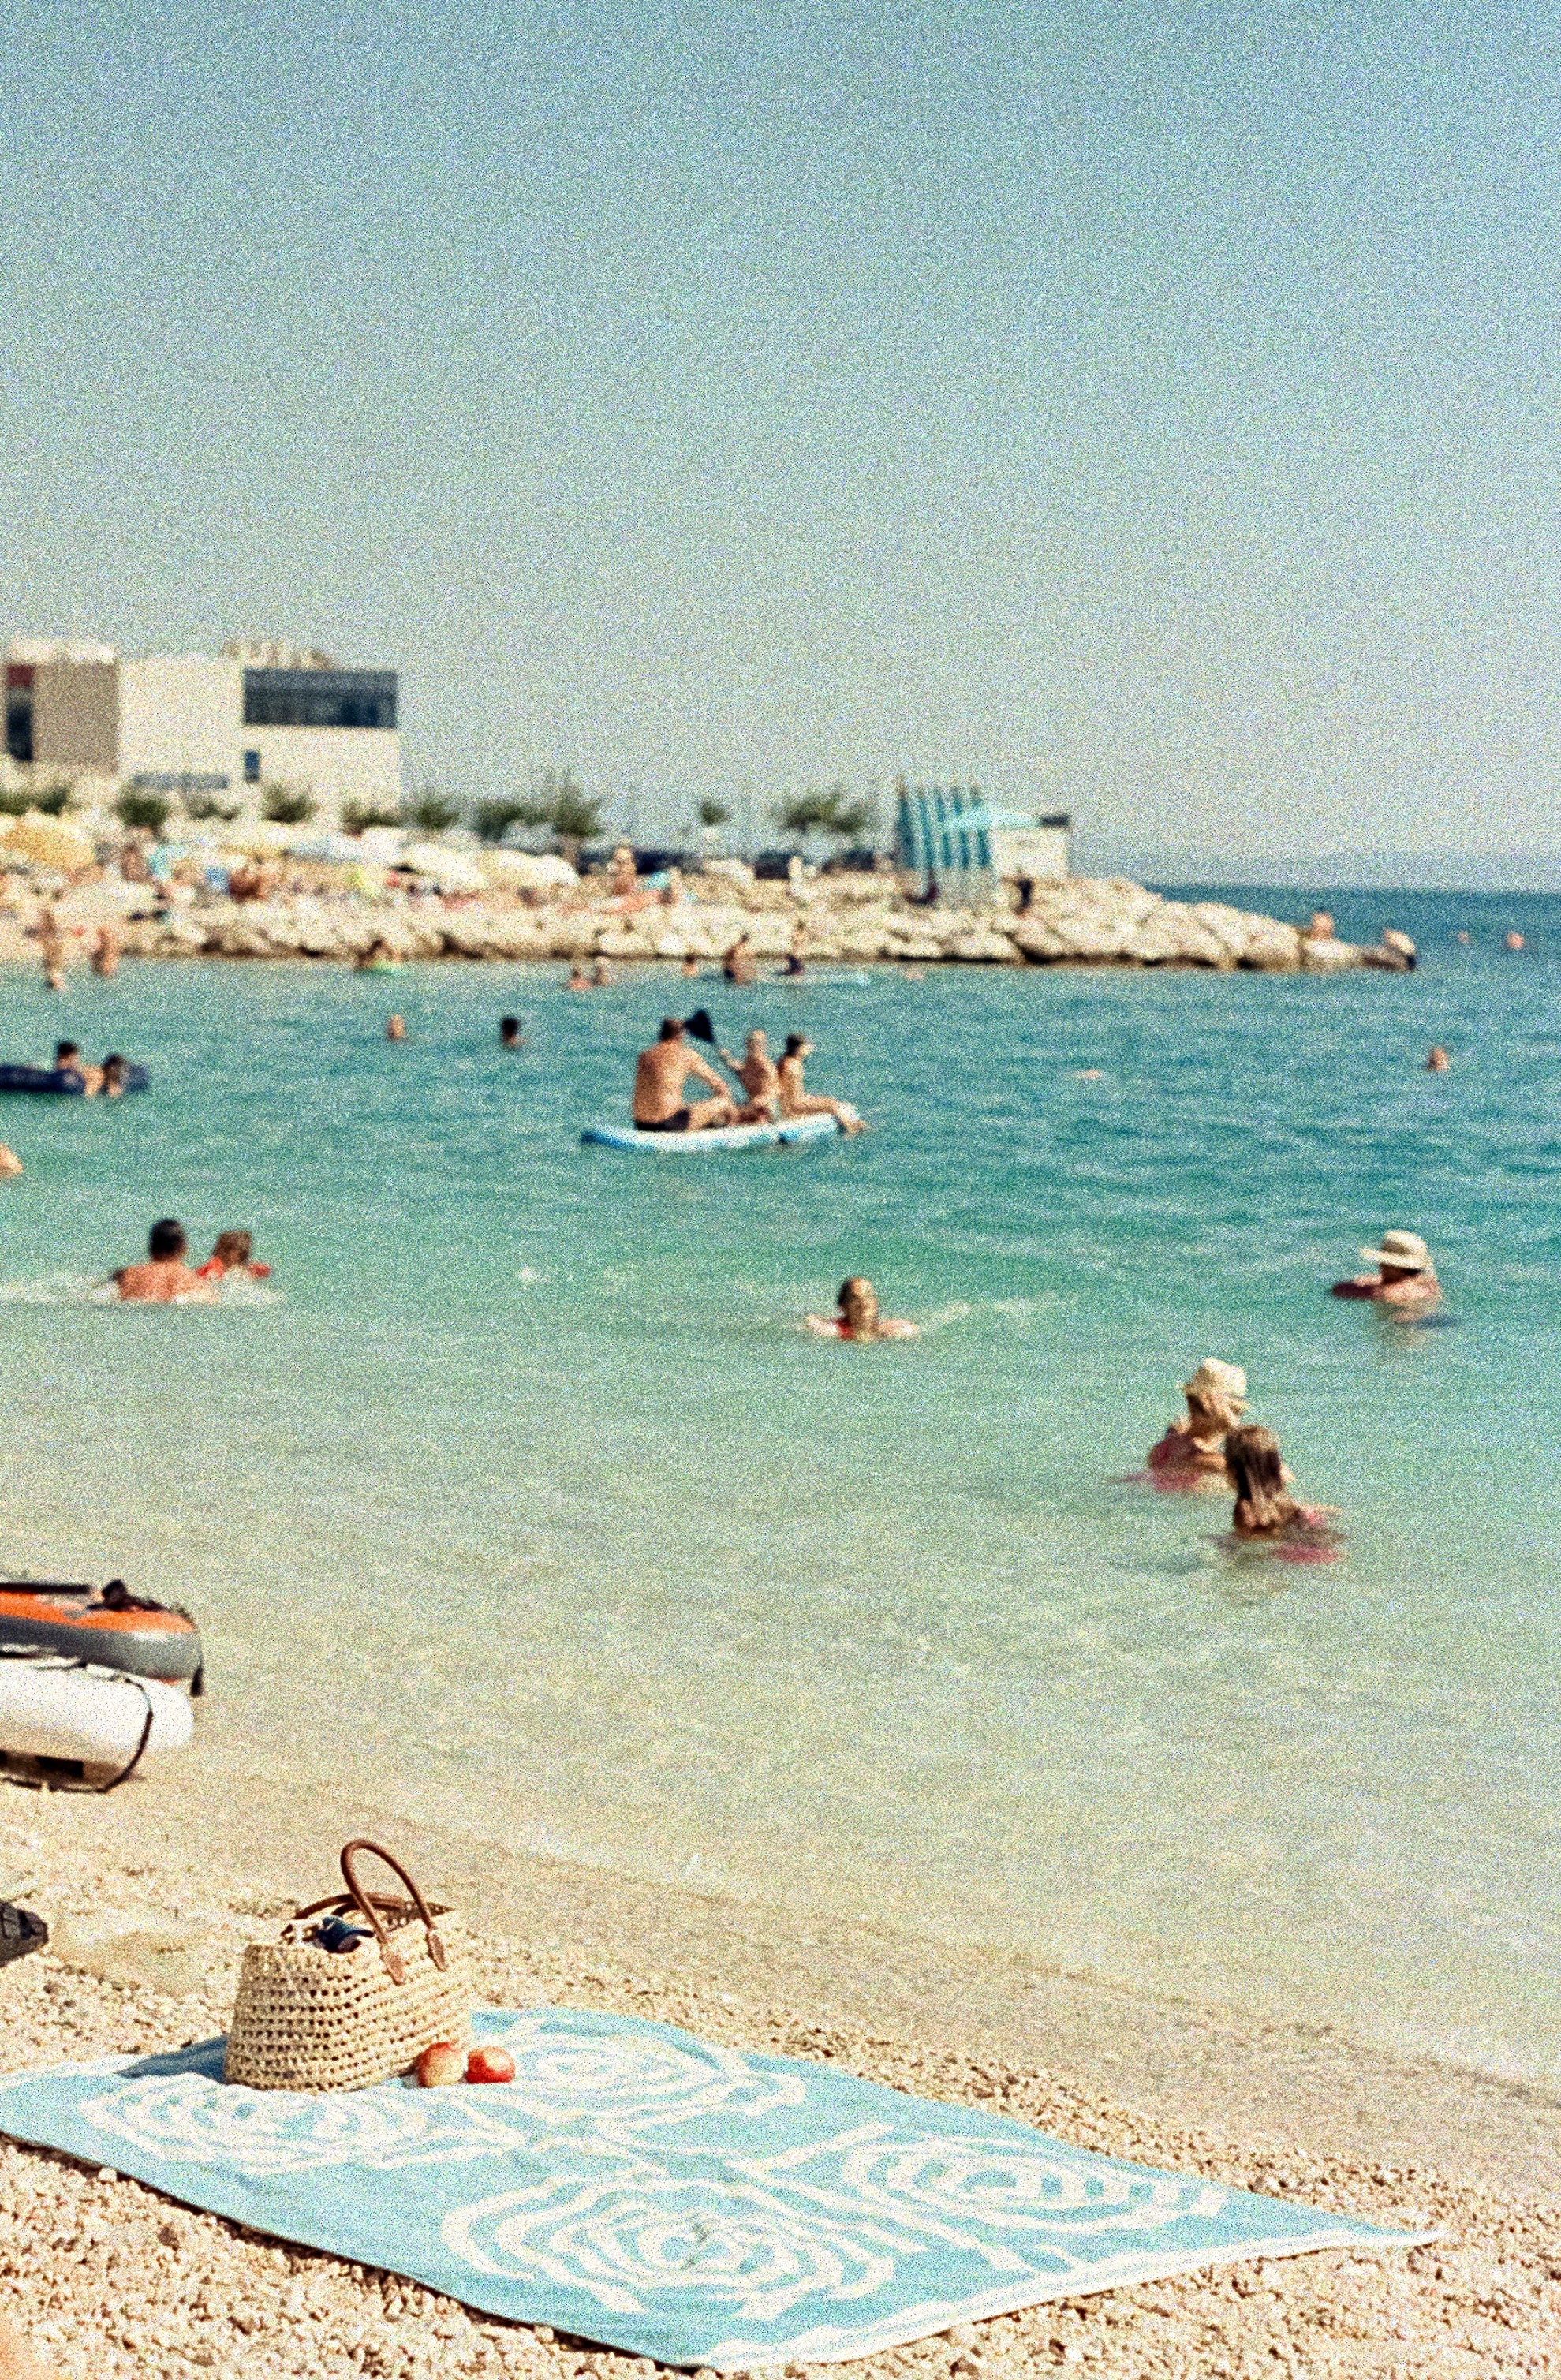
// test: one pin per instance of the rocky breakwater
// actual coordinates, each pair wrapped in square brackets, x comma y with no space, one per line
[855,921]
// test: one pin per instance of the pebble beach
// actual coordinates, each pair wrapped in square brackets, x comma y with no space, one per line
[151,1910]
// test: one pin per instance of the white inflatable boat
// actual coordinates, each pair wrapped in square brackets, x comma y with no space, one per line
[788,1134]
[56,1710]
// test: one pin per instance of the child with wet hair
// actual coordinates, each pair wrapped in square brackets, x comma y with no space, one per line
[232,1254]
[1264,1510]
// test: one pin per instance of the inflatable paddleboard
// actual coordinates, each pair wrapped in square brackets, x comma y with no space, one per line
[788,1134]
[64,1713]
[62,1084]
[113,1630]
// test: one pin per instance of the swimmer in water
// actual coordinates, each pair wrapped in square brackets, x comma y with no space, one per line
[105,952]
[165,1278]
[232,1254]
[1258,1475]
[395,1027]
[509,1033]
[113,1074]
[579,979]
[1438,1061]
[1191,1454]
[858,1317]
[10,1163]
[738,964]
[1515,942]
[1404,1277]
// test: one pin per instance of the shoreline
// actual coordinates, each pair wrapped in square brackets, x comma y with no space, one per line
[316,914]
[160,1884]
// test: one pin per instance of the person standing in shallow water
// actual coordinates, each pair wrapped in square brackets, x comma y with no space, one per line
[1256,1471]
[509,1032]
[1404,1277]
[1192,1452]
[166,1275]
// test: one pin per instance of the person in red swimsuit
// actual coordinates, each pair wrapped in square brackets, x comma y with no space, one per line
[858,1317]
[232,1254]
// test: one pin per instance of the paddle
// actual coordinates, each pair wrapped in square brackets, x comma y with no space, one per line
[700,1026]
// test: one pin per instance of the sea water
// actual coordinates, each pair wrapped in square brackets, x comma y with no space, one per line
[518,1491]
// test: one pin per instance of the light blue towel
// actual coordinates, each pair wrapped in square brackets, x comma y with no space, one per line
[638,2187]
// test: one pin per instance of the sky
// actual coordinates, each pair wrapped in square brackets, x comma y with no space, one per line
[1150,413]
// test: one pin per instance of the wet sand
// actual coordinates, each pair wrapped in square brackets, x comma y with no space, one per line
[108,2278]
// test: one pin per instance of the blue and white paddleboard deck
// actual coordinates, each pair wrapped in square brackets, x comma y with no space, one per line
[788,1134]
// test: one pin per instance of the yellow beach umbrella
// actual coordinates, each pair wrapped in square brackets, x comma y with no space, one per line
[47,841]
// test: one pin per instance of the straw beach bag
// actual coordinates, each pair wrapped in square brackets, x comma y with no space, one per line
[309,2019]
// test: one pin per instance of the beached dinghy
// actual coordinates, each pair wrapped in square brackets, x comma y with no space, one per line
[61,1083]
[52,1710]
[788,1134]
[115,1630]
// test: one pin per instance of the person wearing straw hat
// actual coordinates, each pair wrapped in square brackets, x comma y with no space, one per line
[1405,1276]
[1193,1449]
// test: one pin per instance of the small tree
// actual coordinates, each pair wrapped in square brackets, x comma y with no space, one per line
[287,805]
[208,805]
[713,813]
[832,814]
[430,811]
[51,801]
[142,810]
[359,817]
[494,820]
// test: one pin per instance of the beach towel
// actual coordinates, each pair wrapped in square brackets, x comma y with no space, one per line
[642,2189]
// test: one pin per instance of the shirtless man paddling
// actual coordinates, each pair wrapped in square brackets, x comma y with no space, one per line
[660,1073]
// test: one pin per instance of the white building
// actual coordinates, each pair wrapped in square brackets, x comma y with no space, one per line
[219,737]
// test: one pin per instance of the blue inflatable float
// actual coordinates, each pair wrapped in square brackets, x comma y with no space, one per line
[60,1082]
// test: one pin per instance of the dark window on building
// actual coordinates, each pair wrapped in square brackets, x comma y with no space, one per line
[278,697]
[252,768]
[19,709]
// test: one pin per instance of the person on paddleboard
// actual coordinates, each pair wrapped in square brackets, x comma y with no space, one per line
[796,1101]
[660,1073]
[757,1073]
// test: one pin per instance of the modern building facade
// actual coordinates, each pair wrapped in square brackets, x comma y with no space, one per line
[218,738]
[966,847]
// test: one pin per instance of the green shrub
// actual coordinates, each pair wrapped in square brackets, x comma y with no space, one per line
[50,801]
[209,806]
[285,805]
[494,820]
[359,817]
[142,810]
[430,811]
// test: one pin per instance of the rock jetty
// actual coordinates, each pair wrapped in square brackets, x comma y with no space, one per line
[1086,922]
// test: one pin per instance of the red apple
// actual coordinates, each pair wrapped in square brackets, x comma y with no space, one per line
[441,2061]
[491,2066]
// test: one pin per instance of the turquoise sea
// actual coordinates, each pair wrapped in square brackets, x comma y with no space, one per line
[518,1491]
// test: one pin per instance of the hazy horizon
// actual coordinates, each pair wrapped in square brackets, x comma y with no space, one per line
[1152,417]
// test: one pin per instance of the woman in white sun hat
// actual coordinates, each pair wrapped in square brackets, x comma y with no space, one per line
[1404,1275]
[1193,1449]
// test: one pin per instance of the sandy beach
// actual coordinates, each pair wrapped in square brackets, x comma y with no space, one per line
[152,1892]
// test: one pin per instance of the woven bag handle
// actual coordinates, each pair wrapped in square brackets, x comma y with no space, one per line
[395,1966]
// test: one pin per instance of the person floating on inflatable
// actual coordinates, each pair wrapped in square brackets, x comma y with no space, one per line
[858,1317]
